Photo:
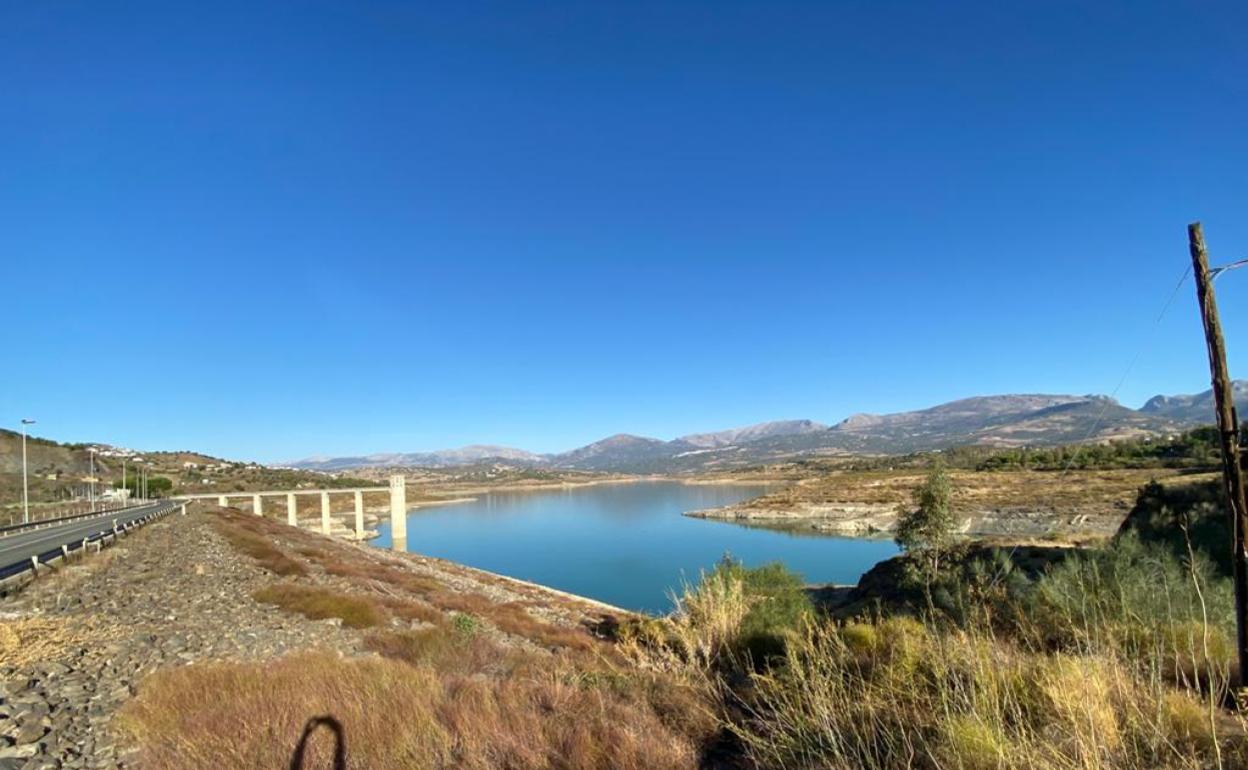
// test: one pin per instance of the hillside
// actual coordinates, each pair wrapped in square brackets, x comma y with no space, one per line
[1191,408]
[764,430]
[61,471]
[613,452]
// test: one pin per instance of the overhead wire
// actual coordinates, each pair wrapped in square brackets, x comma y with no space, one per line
[1135,359]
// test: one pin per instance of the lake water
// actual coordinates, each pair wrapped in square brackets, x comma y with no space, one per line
[624,544]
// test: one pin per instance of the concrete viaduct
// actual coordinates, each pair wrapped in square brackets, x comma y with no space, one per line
[398,506]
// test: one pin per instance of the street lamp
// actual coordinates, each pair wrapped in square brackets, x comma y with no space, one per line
[25,486]
[92,477]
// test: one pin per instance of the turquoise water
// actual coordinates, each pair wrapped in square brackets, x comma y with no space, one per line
[624,544]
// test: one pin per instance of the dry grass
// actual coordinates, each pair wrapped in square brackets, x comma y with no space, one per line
[320,604]
[412,610]
[353,568]
[386,710]
[259,548]
[448,651]
[704,629]
[514,618]
[541,714]
[28,640]
[898,693]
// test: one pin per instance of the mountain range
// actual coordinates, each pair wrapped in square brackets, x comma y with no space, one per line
[1003,421]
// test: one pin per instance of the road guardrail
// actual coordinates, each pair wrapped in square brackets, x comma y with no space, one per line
[110,527]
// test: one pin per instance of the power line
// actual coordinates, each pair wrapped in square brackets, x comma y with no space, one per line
[1215,272]
[1144,344]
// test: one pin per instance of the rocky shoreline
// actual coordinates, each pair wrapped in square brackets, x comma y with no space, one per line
[880,519]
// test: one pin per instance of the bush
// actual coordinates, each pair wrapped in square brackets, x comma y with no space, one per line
[1178,514]
[465,625]
[1140,601]
[777,602]
[734,616]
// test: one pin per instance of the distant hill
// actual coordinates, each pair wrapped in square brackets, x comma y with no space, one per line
[1193,408]
[57,470]
[1003,421]
[616,452]
[1011,420]
[466,455]
[753,433]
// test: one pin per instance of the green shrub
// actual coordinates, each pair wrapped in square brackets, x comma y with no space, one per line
[1136,597]
[465,625]
[778,606]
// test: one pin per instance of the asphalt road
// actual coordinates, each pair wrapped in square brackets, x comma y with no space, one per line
[16,549]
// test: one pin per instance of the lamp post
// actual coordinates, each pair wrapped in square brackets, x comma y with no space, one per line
[25,486]
[92,451]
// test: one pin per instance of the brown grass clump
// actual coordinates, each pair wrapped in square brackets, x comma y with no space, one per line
[400,715]
[353,568]
[260,549]
[446,650]
[386,711]
[320,604]
[412,610]
[549,719]
[311,552]
[27,640]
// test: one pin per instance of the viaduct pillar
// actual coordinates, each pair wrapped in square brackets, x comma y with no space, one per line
[256,506]
[292,517]
[359,515]
[398,512]
[324,513]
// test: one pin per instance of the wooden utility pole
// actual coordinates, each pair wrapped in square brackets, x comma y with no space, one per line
[1228,433]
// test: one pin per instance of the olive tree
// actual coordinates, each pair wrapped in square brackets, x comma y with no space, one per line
[925,529]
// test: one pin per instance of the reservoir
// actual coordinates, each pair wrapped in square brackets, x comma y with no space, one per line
[624,544]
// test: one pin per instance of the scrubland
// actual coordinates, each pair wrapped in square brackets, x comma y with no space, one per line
[1115,657]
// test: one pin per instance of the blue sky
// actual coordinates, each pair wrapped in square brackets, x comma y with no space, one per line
[273,230]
